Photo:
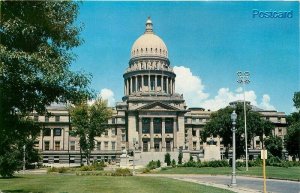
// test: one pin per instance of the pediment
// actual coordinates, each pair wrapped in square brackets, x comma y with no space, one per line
[158,106]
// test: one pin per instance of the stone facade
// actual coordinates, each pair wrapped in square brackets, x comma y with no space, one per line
[151,114]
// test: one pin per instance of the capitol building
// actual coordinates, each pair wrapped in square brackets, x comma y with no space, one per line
[152,118]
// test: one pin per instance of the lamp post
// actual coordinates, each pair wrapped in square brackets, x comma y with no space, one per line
[243,78]
[233,176]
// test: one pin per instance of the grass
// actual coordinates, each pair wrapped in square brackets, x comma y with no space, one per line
[291,173]
[72,183]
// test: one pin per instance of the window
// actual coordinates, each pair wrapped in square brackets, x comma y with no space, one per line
[46,119]
[279,119]
[169,125]
[98,145]
[57,118]
[145,125]
[257,144]
[194,132]
[185,120]
[36,118]
[57,145]
[279,131]
[194,145]
[157,125]
[113,145]
[113,120]
[113,131]
[57,131]
[72,145]
[47,132]
[123,137]
[106,145]
[152,85]
[46,145]
[106,132]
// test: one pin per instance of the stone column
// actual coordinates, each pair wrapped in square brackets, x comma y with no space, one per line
[155,83]
[142,87]
[171,86]
[151,135]
[174,134]
[163,136]
[162,84]
[124,88]
[140,133]
[127,86]
[51,144]
[167,86]
[136,84]
[131,85]
[174,85]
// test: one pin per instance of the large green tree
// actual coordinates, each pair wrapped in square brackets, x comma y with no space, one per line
[220,125]
[36,41]
[89,122]
[274,145]
[292,138]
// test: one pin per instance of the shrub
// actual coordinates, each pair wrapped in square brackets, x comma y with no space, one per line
[86,168]
[173,163]
[62,170]
[180,156]
[122,172]
[145,170]
[158,163]
[152,165]
[168,159]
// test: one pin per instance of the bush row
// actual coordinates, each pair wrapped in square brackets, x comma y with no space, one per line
[117,172]
[199,164]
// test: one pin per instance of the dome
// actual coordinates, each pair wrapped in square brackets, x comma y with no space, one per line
[149,44]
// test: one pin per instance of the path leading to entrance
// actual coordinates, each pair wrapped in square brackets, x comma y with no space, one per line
[245,184]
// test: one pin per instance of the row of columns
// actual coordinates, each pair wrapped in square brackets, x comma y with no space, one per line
[163,132]
[132,84]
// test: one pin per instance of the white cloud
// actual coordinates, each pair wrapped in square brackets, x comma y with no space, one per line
[105,94]
[189,85]
[108,95]
[265,103]
[192,88]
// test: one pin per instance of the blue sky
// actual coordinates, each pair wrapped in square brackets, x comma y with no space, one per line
[208,42]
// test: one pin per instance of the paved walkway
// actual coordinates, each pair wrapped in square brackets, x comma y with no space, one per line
[245,184]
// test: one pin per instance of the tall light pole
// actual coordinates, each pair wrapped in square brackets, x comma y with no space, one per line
[243,78]
[233,176]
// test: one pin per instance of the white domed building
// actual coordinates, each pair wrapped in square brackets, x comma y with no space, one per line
[154,112]
[151,119]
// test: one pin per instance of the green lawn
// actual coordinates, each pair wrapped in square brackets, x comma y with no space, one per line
[107,184]
[292,173]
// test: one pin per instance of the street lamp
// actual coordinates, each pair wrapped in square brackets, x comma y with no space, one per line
[243,78]
[233,176]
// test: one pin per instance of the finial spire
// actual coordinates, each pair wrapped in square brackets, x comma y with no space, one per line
[149,26]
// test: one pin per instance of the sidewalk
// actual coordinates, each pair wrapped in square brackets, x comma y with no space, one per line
[244,184]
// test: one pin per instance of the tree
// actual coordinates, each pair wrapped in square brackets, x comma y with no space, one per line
[292,142]
[296,100]
[180,156]
[168,159]
[274,145]
[36,44]
[220,125]
[89,122]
